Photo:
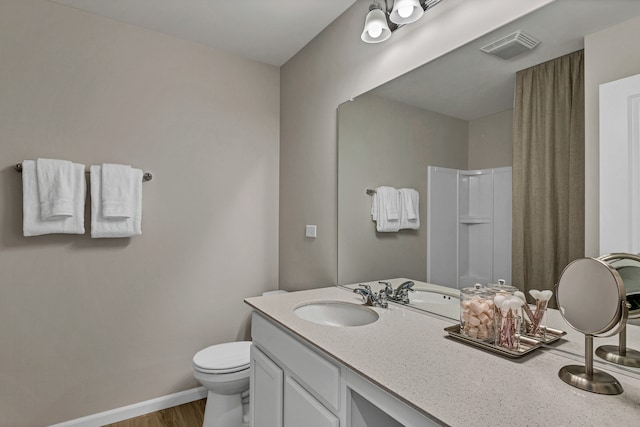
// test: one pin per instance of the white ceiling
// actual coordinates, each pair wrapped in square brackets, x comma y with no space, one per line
[469,84]
[269,31]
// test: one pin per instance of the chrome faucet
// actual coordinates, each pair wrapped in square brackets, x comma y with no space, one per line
[371,298]
[401,293]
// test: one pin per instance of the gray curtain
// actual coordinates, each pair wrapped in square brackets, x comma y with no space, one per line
[548,171]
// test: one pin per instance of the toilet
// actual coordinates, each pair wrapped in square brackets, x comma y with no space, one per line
[223,369]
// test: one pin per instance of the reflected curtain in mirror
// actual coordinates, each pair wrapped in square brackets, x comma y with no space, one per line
[548,170]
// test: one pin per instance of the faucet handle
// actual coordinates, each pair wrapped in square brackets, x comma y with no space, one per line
[382,299]
[364,293]
[388,289]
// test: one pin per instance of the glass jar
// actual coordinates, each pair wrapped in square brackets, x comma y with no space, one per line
[507,329]
[504,338]
[477,312]
[534,324]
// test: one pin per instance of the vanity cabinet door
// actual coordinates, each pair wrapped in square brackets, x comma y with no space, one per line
[302,409]
[265,391]
[312,370]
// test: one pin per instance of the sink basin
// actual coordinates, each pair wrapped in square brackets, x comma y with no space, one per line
[432,297]
[335,313]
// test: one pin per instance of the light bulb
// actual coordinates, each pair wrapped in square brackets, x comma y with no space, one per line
[405,11]
[375,30]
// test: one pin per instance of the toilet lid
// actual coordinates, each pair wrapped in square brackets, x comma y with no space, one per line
[227,357]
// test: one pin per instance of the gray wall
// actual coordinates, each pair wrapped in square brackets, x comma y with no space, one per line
[491,141]
[610,54]
[384,142]
[332,68]
[90,325]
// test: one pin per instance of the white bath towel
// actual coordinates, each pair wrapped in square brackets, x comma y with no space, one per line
[118,182]
[56,183]
[115,227]
[385,209]
[32,223]
[409,209]
[374,205]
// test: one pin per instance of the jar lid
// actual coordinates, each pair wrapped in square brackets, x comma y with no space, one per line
[477,290]
[502,287]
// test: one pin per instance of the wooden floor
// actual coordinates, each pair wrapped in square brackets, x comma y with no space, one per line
[187,415]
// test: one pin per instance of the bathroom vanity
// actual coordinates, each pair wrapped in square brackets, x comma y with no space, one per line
[403,370]
[295,385]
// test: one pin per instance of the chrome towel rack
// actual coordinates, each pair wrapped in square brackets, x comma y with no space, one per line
[146,176]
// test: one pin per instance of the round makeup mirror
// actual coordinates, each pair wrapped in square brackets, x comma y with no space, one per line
[592,299]
[628,267]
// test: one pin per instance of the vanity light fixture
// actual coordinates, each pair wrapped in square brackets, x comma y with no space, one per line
[382,21]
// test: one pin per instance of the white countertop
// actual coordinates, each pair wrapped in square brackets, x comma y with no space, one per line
[409,354]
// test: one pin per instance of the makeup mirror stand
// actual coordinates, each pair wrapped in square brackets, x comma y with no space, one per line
[587,378]
[620,354]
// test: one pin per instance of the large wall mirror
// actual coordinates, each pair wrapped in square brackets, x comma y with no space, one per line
[455,113]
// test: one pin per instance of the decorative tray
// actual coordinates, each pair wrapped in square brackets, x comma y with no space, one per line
[527,344]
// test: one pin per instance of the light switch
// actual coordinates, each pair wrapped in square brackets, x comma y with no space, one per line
[310,231]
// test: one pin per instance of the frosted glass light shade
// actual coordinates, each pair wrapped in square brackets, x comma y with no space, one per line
[406,11]
[376,29]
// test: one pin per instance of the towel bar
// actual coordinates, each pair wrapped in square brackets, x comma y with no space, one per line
[145,176]
[370,192]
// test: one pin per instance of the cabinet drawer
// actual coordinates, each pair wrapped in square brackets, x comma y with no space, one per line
[316,373]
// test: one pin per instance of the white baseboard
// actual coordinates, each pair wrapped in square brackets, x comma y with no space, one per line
[137,409]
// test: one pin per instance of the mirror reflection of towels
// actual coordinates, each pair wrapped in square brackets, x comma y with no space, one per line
[394,210]
[385,209]
[409,209]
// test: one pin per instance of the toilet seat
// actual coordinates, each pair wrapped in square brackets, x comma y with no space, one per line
[222,371]
[223,358]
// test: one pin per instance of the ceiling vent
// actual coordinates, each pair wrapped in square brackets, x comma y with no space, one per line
[512,45]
